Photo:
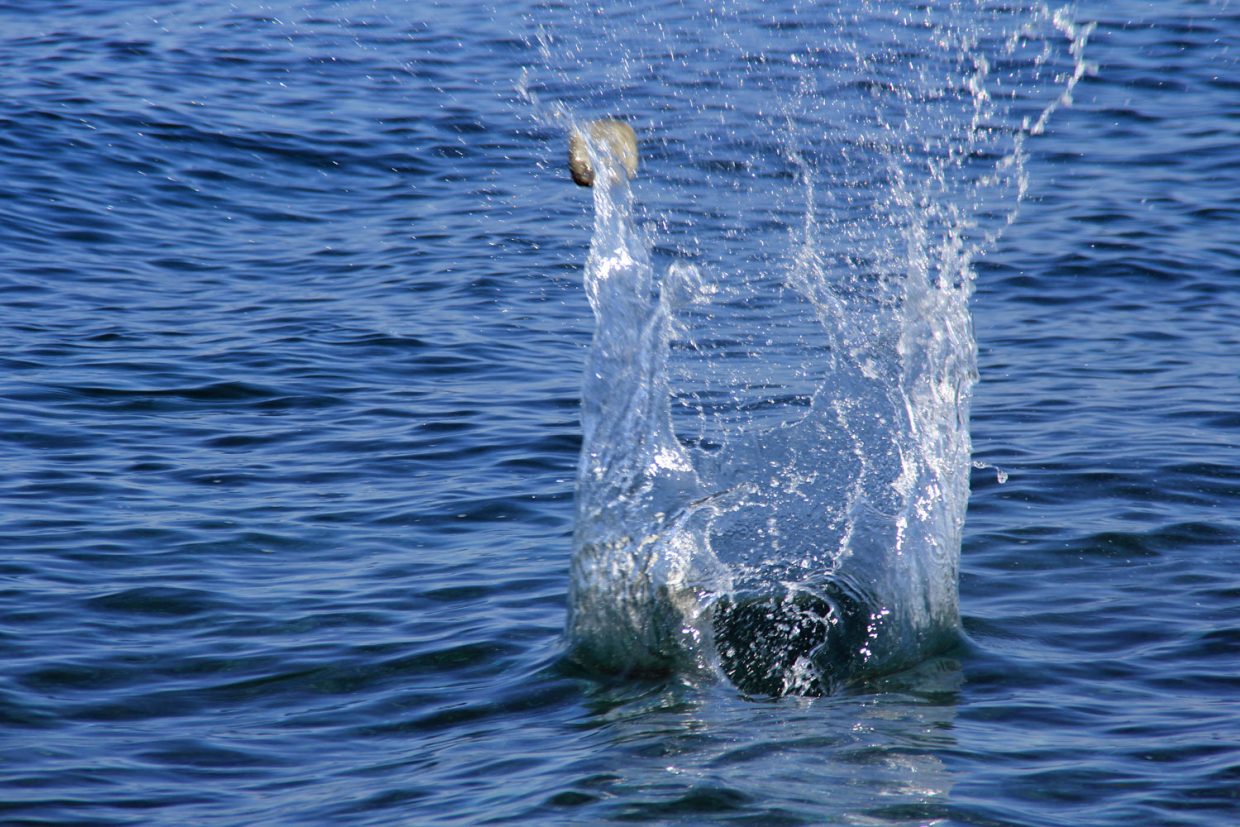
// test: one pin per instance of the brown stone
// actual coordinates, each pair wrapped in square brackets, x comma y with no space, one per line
[614,142]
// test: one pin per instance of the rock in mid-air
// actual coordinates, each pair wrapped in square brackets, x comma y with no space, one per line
[615,144]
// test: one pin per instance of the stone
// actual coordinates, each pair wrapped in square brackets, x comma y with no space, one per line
[615,144]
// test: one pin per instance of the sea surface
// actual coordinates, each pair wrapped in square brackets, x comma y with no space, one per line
[293,333]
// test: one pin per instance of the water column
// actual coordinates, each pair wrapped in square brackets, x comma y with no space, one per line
[775,409]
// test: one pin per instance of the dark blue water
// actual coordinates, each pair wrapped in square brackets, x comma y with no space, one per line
[292,334]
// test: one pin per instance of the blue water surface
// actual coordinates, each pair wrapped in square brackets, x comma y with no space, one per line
[292,333]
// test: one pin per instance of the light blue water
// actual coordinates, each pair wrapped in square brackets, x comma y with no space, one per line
[293,338]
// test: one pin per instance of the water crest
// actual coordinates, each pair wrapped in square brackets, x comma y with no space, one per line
[776,453]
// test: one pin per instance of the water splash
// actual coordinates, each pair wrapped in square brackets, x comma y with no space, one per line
[776,451]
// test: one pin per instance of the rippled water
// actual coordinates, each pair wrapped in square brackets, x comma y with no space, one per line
[293,333]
